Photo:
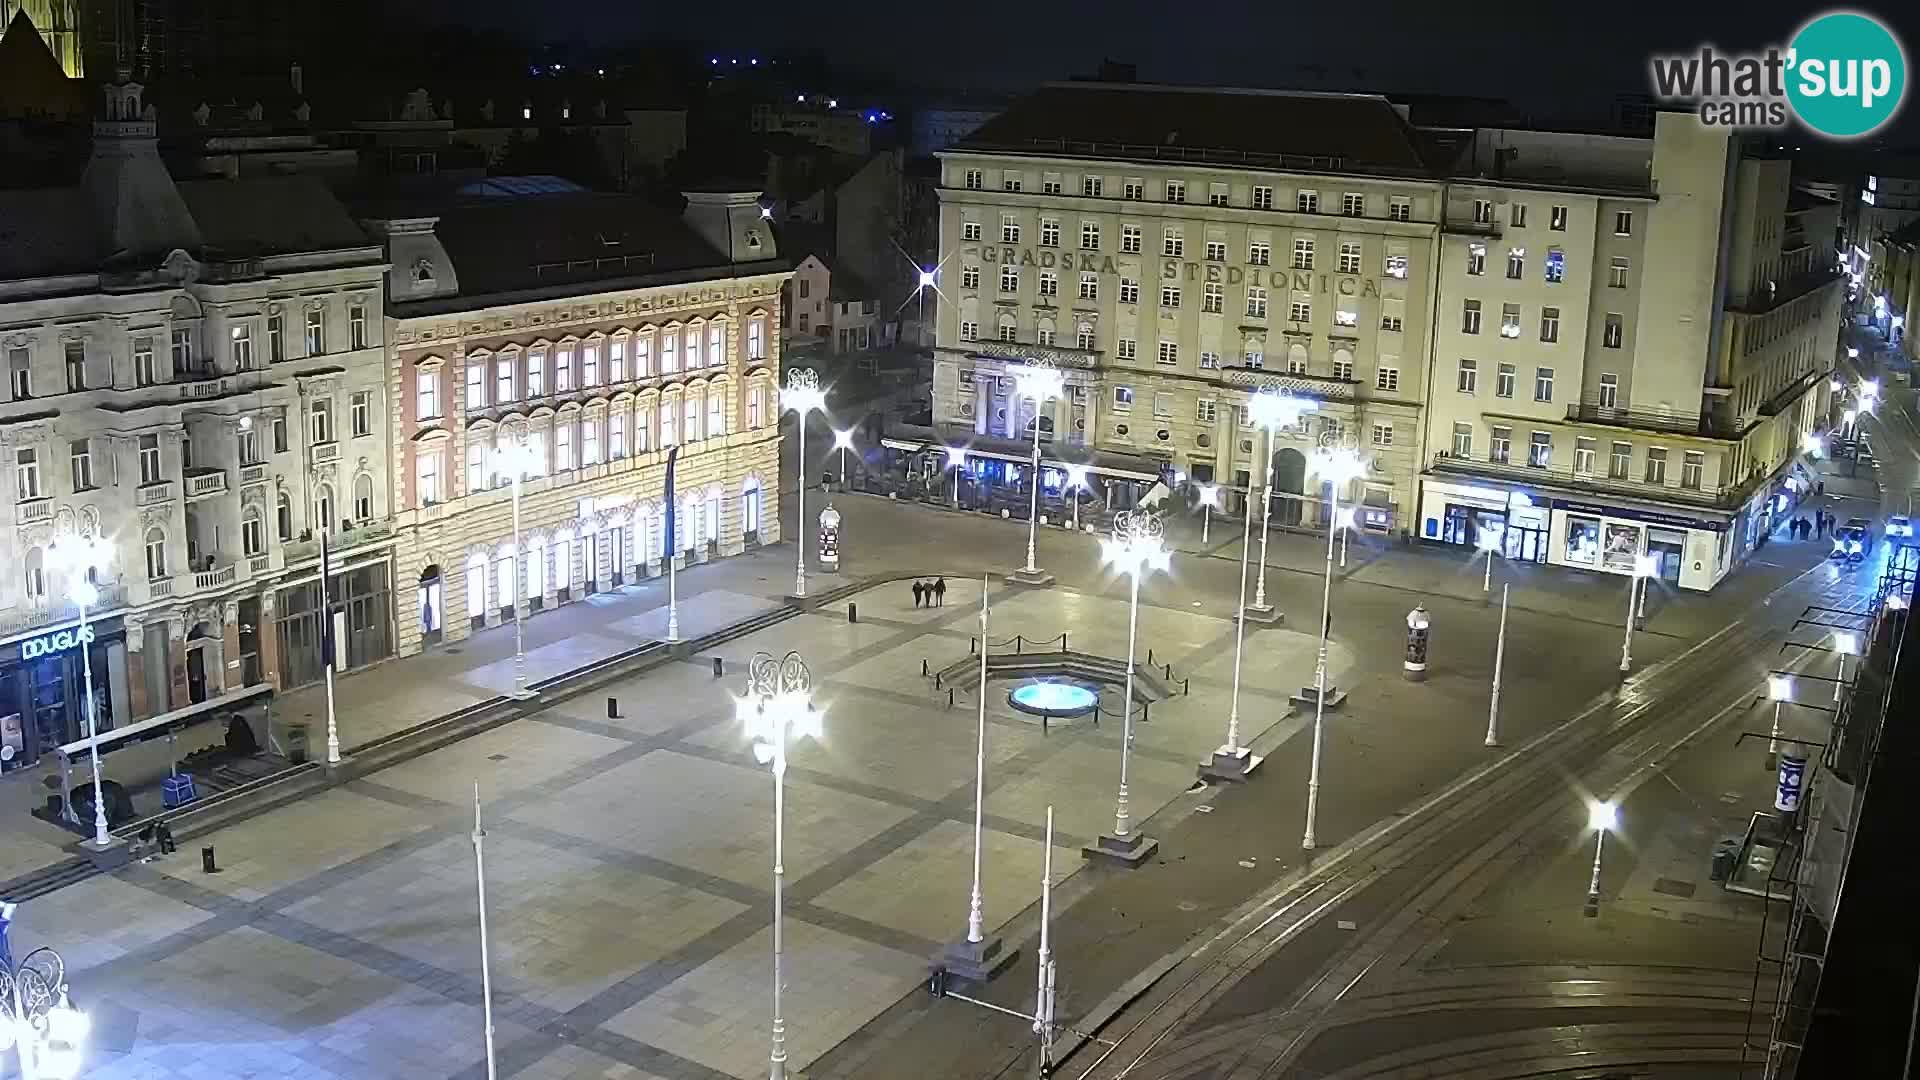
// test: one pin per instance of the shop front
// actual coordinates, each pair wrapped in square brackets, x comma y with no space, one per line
[1464,515]
[359,600]
[43,688]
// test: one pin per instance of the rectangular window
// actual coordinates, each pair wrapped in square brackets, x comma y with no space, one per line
[426,476]
[1549,324]
[562,447]
[1383,435]
[76,357]
[1050,232]
[1205,411]
[1353,204]
[150,459]
[669,424]
[669,353]
[1399,208]
[1620,460]
[1462,440]
[181,346]
[20,372]
[80,453]
[1517,215]
[247,446]
[1656,465]
[476,384]
[617,435]
[1173,245]
[1123,399]
[1516,263]
[1390,321]
[1543,384]
[1009,278]
[1049,283]
[1470,317]
[1043,335]
[1306,202]
[1296,364]
[1609,390]
[1127,349]
[1299,311]
[969,277]
[1130,239]
[536,373]
[360,412]
[642,429]
[1386,378]
[1540,450]
[320,421]
[1209,361]
[643,357]
[1089,286]
[716,412]
[316,332]
[357,327]
[1216,251]
[1256,302]
[1009,230]
[1260,253]
[1216,194]
[503,385]
[1169,353]
[1254,357]
[1509,320]
[280,433]
[1176,191]
[616,361]
[1345,316]
[240,347]
[1583,455]
[1129,291]
[1500,445]
[1617,269]
[1343,369]
[1090,186]
[1476,259]
[1349,256]
[1083,339]
[1483,211]
[970,231]
[1010,181]
[1089,236]
[1503,381]
[1213,297]
[1469,376]
[1303,253]
[144,371]
[1556,266]
[757,338]
[1557,219]
[1050,184]
[1692,465]
[426,395]
[1262,198]
[1623,223]
[1612,332]
[1163,406]
[589,365]
[26,472]
[276,339]
[1008,332]
[969,331]
[975,180]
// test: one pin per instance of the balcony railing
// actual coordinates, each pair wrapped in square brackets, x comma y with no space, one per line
[112,597]
[216,577]
[196,385]
[159,588]
[33,511]
[337,542]
[206,482]
[260,564]
[1313,386]
[325,452]
[1565,476]
[1592,412]
[253,474]
[154,494]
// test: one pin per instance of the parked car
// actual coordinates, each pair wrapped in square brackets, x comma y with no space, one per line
[1899,529]
[1852,541]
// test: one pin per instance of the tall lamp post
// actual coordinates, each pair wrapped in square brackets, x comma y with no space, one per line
[1209,498]
[1644,566]
[975,958]
[802,395]
[843,442]
[1499,661]
[1489,542]
[1602,818]
[1138,545]
[1779,691]
[517,461]
[1344,520]
[1336,466]
[1040,382]
[957,462]
[1076,482]
[1270,410]
[1233,761]
[778,706]
[81,557]
[36,1018]
[1846,643]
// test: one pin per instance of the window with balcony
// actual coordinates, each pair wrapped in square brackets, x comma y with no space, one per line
[1693,464]
[1500,446]
[180,347]
[247,446]
[1503,381]
[149,453]
[1007,330]
[360,413]
[1609,390]
[240,347]
[156,551]
[1540,450]
[316,332]
[1462,440]
[26,473]
[253,532]
[320,421]
[145,371]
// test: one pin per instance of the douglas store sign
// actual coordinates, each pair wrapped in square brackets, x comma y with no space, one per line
[59,641]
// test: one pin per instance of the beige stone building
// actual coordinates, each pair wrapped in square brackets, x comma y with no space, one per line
[593,333]
[1176,250]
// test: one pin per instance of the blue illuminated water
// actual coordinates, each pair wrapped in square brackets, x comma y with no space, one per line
[1053,698]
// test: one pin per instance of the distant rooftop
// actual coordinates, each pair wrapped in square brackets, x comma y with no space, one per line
[1351,133]
[514,187]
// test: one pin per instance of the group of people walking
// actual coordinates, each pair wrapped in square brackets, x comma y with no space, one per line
[930,593]
[1802,529]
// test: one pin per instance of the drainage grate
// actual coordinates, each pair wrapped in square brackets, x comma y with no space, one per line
[1672,887]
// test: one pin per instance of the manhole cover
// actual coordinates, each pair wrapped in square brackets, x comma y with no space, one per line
[1682,889]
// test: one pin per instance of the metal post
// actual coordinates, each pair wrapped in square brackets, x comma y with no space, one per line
[673,584]
[1486,583]
[1043,1004]
[1593,884]
[778,1061]
[1126,713]
[1266,515]
[843,468]
[100,837]
[1033,515]
[1320,684]
[519,627]
[1345,534]
[486,968]
[800,530]
[1499,659]
[1626,643]
[1773,738]
[1206,522]
[332,646]
[975,916]
[1239,636]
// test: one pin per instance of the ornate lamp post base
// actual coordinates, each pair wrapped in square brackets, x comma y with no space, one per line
[1131,851]
[976,961]
[1308,697]
[1228,765]
[1264,615]
[115,854]
[1033,579]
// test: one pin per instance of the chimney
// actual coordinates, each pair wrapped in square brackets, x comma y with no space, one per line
[733,223]
[298,79]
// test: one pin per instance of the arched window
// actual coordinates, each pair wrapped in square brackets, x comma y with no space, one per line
[156,554]
[36,575]
[283,516]
[362,498]
[712,517]
[253,532]
[322,508]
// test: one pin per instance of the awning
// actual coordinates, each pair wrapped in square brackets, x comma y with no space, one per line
[165,723]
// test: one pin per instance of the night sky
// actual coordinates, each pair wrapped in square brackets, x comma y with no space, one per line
[1542,55]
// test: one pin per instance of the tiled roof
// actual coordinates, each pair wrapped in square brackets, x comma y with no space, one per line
[1352,133]
[269,215]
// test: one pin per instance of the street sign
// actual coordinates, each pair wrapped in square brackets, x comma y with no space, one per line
[1786,794]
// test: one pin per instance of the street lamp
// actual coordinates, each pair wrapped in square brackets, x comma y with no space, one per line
[1040,382]
[1602,818]
[1076,482]
[82,557]
[957,461]
[1209,498]
[778,706]
[36,1018]
[1846,643]
[1489,542]
[1343,519]
[516,461]
[1138,545]
[1271,410]
[1336,466]
[1644,566]
[1779,691]
[843,442]
[1233,761]
[803,395]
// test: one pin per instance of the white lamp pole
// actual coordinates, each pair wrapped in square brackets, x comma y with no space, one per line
[1043,963]
[1643,566]
[1270,410]
[1344,518]
[486,966]
[1499,659]
[975,915]
[673,576]
[843,442]
[1337,466]
[803,395]
[1602,817]
[516,461]
[1489,543]
[1209,498]
[1780,690]
[956,461]
[1040,382]
[1846,643]
[78,556]
[1232,750]
[1137,546]
[778,706]
[1076,480]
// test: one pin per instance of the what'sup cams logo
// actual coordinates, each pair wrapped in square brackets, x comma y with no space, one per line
[1843,76]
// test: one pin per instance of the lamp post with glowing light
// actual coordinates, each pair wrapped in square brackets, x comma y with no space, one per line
[802,395]
[1270,410]
[517,461]
[1209,498]
[1846,643]
[1076,482]
[1336,466]
[1602,818]
[843,442]
[81,557]
[1644,566]
[1779,691]
[1499,661]
[778,706]
[36,1018]
[1040,382]
[1137,546]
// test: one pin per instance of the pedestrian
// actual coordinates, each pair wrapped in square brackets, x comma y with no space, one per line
[919,591]
[940,591]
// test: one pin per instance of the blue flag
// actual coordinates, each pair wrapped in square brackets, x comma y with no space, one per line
[673,455]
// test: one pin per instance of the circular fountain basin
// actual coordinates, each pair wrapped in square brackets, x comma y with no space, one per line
[1053,699]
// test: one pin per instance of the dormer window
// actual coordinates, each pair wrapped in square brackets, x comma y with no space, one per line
[423,272]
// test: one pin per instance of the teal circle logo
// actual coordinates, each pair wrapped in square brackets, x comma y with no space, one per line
[1847,75]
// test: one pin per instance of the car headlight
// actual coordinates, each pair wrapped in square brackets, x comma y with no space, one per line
[1853,547]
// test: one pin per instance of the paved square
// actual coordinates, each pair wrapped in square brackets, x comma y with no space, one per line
[923,887]
[297,841]
[505,760]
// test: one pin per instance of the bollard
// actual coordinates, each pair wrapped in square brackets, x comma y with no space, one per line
[1169,670]
[1186,687]
[1146,711]
[613,708]
[719,668]
[1150,662]
[973,645]
[853,613]
[923,667]
[949,697]
[206,861]
[936,683]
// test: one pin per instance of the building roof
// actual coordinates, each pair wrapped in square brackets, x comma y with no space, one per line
[1352,133]
[269,215]
[31,80]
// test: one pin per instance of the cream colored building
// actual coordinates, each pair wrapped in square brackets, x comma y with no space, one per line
[1176,250]
[1633,336]
[598,333]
